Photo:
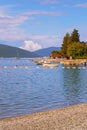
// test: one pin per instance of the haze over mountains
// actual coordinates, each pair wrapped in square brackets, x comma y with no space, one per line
[9,52]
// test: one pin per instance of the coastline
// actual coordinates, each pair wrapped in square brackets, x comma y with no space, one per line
[70,118]
[62,61]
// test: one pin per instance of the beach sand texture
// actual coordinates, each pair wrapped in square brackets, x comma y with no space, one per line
[70,118]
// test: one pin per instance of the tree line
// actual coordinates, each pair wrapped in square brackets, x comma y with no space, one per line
[72,46]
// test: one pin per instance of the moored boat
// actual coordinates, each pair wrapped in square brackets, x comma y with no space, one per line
[50,65]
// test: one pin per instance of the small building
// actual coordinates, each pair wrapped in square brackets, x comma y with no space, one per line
[56,55]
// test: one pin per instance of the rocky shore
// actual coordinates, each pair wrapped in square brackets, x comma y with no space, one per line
[70,118]
[62,61]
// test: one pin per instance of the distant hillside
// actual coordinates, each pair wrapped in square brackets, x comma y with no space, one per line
[9,51]
[46,51]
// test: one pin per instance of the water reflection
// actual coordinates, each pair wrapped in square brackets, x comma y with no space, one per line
[72,86]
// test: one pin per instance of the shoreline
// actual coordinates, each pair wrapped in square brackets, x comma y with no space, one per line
[62,61]
[68,118]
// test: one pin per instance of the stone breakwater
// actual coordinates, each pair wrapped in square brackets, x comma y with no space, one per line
[70,118]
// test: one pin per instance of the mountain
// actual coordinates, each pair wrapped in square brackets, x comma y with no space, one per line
[9,51]
[46,51]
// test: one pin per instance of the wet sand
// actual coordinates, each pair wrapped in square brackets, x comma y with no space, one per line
[70,118]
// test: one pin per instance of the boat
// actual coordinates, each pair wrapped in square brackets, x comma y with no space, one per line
[46,65]
[41,62]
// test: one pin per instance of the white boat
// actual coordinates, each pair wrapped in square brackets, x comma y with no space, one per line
[46,65]
[41,62]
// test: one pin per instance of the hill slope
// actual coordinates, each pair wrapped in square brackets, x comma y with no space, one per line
[46,51]
[9,51]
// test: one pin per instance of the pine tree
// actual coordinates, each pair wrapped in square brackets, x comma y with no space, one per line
[74,36]
[65,44]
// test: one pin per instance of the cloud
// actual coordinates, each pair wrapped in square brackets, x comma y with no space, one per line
[30,46]
[43,13]
[3,10]
[83,5]
[11,30]
[10,26]
[48,1]
[41,41]
[46,40]
[10,21]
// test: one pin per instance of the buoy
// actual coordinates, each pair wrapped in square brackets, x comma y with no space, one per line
[5,67]
[15,67]
[79,67]
[26,67]
[74,67]
[68,67]
[83,67]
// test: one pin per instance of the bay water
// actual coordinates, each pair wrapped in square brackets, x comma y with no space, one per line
[27,88]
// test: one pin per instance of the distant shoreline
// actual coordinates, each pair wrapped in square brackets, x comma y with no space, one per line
[70,118]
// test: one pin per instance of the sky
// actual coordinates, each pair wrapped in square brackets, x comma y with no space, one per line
[37,24]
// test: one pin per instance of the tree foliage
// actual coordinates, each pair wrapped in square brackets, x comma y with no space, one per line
[74,36]
[72,46]
[65,44]
[77,50]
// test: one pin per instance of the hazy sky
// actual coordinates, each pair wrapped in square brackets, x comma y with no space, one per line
[36,24]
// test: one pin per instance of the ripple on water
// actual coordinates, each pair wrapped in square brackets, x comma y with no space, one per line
[35,89]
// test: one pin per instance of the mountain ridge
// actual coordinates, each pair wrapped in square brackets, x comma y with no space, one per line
[46,51]
[7,51]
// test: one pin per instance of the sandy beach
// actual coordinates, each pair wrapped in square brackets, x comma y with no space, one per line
[70,118]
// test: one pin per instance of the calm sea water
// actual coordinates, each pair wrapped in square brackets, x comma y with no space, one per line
[26,88]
